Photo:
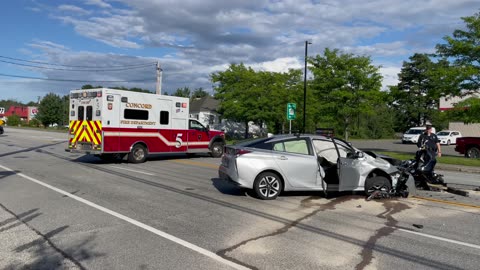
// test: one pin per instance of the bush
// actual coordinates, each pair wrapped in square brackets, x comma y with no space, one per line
[14,120]
[34,123]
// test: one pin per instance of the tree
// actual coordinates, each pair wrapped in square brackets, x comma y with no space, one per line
[464,47]
[50,110]
[9,102]
[199,93]
[467,111]
[417,94]
[261,97]
[89,86]
[182,92]
[345,87]
[14,120]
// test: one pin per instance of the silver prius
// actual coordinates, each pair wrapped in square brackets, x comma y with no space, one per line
[305,162]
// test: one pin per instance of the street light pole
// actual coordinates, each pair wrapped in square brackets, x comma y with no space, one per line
[305,85]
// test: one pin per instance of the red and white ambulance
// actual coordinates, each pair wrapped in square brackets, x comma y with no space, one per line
[111,123]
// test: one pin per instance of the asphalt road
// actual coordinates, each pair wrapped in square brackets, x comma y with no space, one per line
[64,211]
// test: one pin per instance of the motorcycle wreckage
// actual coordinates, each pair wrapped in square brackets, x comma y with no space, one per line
[420,169]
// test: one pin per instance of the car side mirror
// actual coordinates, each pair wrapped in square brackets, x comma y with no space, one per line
[359,154]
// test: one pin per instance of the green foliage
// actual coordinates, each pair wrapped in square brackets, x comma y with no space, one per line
[259,96]
[345,86]
[89,86]
[417,94]
[34,123]
[14,120]
[467,111]
[51,110]
[182,92]
[9,102]
[199,93]
[464,47]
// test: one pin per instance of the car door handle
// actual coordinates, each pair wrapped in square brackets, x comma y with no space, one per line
[283,158]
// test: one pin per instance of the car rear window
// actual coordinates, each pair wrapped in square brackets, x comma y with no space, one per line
[252,143]
[292,146]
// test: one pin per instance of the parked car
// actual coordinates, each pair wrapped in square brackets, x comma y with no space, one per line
[448,136]
[305,162]
[412,135]
[468,146]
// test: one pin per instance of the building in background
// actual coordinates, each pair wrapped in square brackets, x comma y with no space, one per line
[205,110]
[448,103]
[26,113]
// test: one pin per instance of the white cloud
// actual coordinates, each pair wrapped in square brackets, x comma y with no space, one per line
[74,9]
[194,38]
[99,3]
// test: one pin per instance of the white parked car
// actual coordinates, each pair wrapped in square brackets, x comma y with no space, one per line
[448,136]
[412,135]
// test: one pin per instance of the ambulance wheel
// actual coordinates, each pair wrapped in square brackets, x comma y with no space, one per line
[217,149]
[138,154]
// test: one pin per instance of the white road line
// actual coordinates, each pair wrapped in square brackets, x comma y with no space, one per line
[440,238]
[151,174]
[144,226]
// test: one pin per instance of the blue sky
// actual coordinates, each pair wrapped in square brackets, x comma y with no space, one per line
[193,38]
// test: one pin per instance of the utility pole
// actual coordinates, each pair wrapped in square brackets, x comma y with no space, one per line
[159,79]
[305,85]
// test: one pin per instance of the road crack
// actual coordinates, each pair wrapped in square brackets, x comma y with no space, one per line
[306,203]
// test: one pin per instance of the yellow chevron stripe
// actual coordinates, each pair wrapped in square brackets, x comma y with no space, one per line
[88,133]
[78,132]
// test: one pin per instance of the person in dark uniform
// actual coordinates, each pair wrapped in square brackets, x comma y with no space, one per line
[431,144]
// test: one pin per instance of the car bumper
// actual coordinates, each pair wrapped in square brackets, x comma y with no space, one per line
[231,175]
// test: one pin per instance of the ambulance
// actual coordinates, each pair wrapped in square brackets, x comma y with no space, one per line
[112,123]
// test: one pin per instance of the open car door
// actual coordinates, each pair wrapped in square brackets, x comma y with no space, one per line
[347,166]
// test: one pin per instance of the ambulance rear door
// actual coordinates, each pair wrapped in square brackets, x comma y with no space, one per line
[110,115]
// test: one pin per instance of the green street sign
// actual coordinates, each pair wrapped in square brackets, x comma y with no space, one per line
[291,111]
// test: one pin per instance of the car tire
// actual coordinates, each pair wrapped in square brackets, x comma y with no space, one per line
[267,186]
[448,142]
[138,154]
[472,152]
[380,183]
[216,149]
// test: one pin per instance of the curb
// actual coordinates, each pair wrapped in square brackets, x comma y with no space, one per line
[458,168]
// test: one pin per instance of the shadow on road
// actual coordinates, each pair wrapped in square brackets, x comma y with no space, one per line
[42,252]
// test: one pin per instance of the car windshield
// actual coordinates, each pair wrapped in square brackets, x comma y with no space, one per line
[414,131]
[443,133]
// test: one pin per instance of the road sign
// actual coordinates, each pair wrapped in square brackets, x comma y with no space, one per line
[291,111]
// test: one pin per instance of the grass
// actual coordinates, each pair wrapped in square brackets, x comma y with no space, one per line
[442,160]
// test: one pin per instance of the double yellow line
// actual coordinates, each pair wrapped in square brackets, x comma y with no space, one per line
[447,202]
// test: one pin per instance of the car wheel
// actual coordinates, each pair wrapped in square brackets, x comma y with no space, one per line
[473,152]
[267,185]
[448,142]
[216,150]
[138,154]
[377,183]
